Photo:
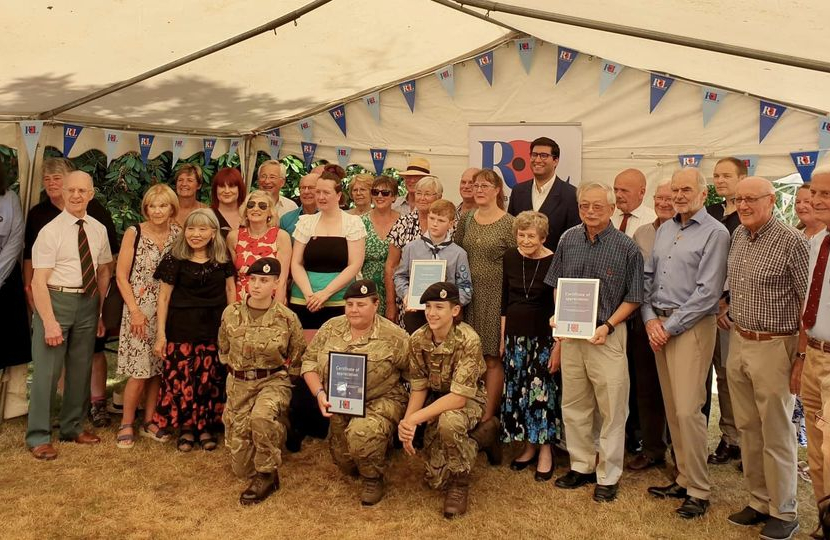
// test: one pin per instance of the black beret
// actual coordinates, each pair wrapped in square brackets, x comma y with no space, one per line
[266,266]
[443,291]
[361,289]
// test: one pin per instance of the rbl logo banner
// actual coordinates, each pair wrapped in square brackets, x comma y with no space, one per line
[447,78]
[145,142]
[111,138]
[751,163]
[339,115]
[31,135]
[690,160]
[408,91]
[712,98]
[378,158]
[608,73]
[233,147]
[306,126]
[274,143]
[526,46]
[564,61]
[823,135]
[659,87]
[770,114]
[372,101]
[805,162]
[343,155]
[70,135]
[208,145]
[485,64]
[309,149]
[178,145]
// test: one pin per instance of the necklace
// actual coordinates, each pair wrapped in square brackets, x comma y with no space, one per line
[526,287]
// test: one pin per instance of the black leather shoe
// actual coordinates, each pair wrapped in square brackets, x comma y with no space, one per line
[747,517]
[674,491]
[574,479]
[517,465]
[605,493]
[724,453]
[540,476]
[643,462]
[692,507]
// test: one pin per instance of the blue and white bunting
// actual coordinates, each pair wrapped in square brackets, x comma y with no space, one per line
[564,60]
[178,145]
[712,98]
[690,160]
[608,72]
[31,135]
[309,149]
[306,126]
[823,135]
[446,75]
[805,162]
[770,114]
[378,158]
[233,148]
[145,142]
[208,145]
[274,143]
[339,115]
[484,62]
[71,132]
[112,139]
[659,86]
[526,46]
[344,153]
[751,162]
[408,91]
[372,102]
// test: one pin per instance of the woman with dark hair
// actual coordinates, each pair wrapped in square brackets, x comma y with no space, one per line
[227,193]
[14,324]
[378,222]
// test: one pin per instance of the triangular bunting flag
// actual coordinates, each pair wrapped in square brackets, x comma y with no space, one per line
[485,64]
[805,162]
[447,78]
[712,98]
[525,46]
[690,160]
[563,62]
[31,135]
[373,102]
[111,138]
[71,133]
[823,135]
[306,125]
[209,145]
[145,142]
[659,86]
[178,144]
[343,155]
[770,114]
[379,158]
[274,143]
[751,162]
[339,115]
[309,148]
[608,72]
[408,90]
[233,148]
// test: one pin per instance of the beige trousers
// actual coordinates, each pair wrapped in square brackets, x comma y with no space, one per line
[595,379]
[729,433]
[759,382]
[682,366]
[815,396]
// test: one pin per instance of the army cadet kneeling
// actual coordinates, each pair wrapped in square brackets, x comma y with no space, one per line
[445,370]
[359,444]
[262,343]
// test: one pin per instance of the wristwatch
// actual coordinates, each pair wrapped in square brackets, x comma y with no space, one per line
[610,327]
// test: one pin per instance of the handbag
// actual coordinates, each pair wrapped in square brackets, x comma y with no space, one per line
[113,307]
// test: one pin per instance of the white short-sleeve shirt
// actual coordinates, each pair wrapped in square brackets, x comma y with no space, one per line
[352,228]
[56,247]
[285,205]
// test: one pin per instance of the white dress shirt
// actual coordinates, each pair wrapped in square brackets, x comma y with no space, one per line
[821,330]
[538,195]
[639,217]
[56,248]
[285,205]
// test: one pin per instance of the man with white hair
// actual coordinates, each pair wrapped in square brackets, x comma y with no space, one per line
[684,280]
[271,178]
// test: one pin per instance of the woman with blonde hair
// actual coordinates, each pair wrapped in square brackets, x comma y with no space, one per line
[142,248]
[360,193]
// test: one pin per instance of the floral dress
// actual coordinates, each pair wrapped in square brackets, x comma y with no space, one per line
[135,355]
[248,250]
[377,250]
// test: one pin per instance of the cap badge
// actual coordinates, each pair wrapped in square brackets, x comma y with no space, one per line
[363,289]
[266,268]
[443,293]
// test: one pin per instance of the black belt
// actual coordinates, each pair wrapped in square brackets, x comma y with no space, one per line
[255,374]
[663,312]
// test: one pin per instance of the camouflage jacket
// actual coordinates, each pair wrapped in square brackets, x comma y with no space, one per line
[456,365]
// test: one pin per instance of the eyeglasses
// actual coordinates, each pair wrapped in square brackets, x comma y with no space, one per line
[482,187]
[662,199]
[78,191]
[749,200]
[425,194]
[271,177]
[540,155]
[381,192]
[262,205]
[595,207]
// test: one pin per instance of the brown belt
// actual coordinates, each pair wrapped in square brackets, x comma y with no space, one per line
[823,346]
[761,336]
[254,374]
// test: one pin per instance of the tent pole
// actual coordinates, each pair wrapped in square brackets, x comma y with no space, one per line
[273,25]
[652,35]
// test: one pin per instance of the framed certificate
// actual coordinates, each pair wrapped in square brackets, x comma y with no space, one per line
[347,383]
[422,274]
[576,308]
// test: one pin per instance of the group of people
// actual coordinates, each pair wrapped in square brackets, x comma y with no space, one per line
[232,309]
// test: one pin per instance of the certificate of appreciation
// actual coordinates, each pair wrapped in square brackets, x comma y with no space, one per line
[422,274]
[576,308]
[347,383]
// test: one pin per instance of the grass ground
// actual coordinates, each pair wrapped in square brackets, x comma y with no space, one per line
[153,491]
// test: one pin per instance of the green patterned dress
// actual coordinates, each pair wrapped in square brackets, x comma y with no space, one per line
[377,249]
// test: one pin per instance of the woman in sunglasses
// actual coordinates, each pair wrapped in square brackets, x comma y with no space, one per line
[378,223]
[259,235]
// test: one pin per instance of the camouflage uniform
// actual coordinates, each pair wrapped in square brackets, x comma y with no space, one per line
[256,413]
[456,365]
[362,442]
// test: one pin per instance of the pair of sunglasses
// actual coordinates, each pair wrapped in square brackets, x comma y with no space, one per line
[262,205]
[384,192]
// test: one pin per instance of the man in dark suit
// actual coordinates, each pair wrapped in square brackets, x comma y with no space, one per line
[547,193]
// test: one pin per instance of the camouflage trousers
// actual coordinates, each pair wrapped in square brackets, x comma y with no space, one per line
[447,443]
[362,443]
[256,420]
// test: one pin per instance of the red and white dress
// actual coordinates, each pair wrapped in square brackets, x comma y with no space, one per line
[249,249]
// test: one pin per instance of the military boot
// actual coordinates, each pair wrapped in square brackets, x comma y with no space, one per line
[455,500]
[371,490]
[260,488]
[486,434]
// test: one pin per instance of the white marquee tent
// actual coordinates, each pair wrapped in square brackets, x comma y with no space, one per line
[59,52]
